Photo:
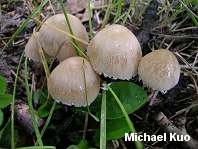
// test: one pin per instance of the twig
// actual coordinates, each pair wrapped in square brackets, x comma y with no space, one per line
[169,127]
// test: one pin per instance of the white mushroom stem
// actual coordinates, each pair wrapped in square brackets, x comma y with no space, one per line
[169,127]
[153,98]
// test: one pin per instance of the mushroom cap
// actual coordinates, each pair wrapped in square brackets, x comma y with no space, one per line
[66,82]
[115,52]
[31,50]
[159,70]
[52,40]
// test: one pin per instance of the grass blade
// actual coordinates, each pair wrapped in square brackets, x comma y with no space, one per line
[48,119]
[68,23]
[190,13]
[24,24]
[90,22]
[106,17]
[31,106]
[129,10]
[13,103]
[118,12]
[129,122]
[103,122]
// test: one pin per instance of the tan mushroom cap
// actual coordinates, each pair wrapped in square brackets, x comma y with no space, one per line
[51,40]
[159,70]
[31,50]
[66,82]
[115,52]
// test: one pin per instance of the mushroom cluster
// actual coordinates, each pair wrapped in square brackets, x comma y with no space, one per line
[114,52]
[55,43]
[66,82]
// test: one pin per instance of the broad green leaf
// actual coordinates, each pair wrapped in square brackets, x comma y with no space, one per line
[1,117]
[117,128]
[5,100]
[5,135]
[96,138]
[83,145]
[130,95]
[2,85]
[96,104]
[44,110]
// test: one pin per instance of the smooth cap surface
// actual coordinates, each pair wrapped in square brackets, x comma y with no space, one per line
[66,82]
[31,50]
[115,52]
[52,40]
[159,70]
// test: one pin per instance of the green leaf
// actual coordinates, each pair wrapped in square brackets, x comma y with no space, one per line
[1,117]
[2,85]
[117,128]
[83,145]
[5,100]
[39,97]
[72,147]
[44,110]
[130,95]
[5,135]
[96,138]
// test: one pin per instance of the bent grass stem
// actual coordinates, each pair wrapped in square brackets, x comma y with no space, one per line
[129,122]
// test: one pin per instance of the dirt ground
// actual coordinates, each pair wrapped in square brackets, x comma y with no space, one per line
[176,111]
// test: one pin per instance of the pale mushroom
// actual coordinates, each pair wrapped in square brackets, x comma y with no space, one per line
[52,40]
[31,50]
[159,70]
[115,52]
[66,82]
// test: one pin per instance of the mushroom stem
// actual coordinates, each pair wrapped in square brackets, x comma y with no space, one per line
[153,98]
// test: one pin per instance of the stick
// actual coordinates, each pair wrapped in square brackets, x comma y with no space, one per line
[169,127]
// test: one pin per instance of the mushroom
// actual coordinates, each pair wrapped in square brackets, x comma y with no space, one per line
[115,52]
[31,50]
[66,82]
[52,40]
[159,70]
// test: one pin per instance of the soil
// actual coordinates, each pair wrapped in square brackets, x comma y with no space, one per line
[151,29]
